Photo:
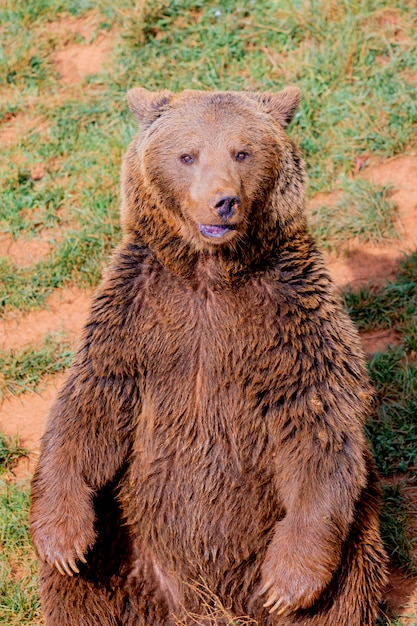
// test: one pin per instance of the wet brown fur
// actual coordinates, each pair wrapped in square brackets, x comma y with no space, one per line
[210,433]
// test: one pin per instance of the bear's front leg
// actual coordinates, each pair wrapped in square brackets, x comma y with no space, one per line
[297,568]
[320,473]
[62,517]
[85,444]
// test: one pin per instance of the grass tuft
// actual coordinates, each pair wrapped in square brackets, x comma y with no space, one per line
[10,452]
[18,570]
[363,211]
[393,305]
[24,370]
[394,523]
[392,427]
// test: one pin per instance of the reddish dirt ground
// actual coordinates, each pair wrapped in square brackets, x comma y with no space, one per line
[75,61]
[66,310]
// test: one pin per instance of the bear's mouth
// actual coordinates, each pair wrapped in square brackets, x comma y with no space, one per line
[215,231]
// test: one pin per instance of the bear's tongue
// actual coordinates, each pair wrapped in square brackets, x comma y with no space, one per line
[213,230]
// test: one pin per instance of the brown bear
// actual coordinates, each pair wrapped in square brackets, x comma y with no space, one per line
[205,461]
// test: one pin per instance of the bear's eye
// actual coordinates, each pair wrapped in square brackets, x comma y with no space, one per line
[187,158]
[241,156]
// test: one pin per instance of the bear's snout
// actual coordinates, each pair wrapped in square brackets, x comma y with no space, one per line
[226,206]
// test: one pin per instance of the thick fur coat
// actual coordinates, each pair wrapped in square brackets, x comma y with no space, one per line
[206,456]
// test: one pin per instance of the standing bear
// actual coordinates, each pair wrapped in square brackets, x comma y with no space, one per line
[205,461]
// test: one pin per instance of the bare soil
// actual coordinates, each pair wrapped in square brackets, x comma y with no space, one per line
[25,252]
[66,310]
[16,127]
[76,60]
[65,314]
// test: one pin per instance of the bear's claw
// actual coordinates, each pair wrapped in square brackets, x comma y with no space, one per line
[276,605]
[62,568]
[272,600]
[80,555]
[275,601]
[67,567]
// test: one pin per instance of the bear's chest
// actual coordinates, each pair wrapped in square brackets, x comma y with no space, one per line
[207,357]
[205,342]
[202,445]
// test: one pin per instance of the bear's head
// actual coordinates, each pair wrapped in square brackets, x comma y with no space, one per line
[212,172]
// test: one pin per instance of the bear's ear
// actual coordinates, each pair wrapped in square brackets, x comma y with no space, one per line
[282,105]
[146,105]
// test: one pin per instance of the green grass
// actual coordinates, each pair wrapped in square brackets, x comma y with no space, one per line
[399,540]
[19,602]
[354,62]
[392,428]
[75,260]
[394,519]
[29,207]
[10,452]
[24,370]
[392,306]
[18,571]
[363,211]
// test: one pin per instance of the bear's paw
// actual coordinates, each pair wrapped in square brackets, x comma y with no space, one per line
[296,570]
[63,539]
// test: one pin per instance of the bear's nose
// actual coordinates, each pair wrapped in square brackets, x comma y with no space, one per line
[226,206]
